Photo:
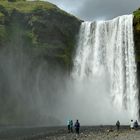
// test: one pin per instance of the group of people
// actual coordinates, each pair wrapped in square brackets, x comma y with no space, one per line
[76,125]
[133,124]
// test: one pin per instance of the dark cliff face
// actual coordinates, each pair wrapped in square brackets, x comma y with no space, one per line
[46,31]
[136,25]
[37,41]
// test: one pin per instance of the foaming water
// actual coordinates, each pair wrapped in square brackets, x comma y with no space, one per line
[105,70]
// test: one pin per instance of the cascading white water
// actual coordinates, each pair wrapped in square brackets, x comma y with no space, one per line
[107,48]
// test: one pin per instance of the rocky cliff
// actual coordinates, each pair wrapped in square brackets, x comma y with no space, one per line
[136,24]
[45,31]
[37,40]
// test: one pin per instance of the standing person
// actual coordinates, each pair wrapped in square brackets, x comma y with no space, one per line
[68,125]
[77,127]
[118,125]
[136,125]
[132,124]
[71,125]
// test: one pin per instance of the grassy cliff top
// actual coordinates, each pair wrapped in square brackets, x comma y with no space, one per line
[137,14]
[29,6]
[137,20]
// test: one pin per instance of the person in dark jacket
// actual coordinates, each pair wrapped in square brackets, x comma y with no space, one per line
[71,126]
[136,125]
[118,125]
[68,125]
[77,127]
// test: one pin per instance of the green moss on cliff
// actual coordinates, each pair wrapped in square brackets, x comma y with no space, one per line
[136,24]
[137,20]
[29,6]
[47,31]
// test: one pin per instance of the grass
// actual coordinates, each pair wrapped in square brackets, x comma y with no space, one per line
[27,6]
[137,19]
[137,14]
[30,6]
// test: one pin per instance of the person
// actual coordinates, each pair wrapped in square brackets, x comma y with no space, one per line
[71,125]
[132,124]
[136,124]
[118,125]
[68,125]
[77,127]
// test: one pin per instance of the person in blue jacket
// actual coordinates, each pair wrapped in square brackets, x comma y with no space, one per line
[77,127]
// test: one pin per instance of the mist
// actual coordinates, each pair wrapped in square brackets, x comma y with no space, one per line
[33,93]
[30,88]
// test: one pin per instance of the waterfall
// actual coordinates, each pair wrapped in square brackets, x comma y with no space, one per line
[107,48]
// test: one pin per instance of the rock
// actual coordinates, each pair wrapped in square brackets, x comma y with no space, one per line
[110,130]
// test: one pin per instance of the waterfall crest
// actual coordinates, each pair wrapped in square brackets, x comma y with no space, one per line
[108,47]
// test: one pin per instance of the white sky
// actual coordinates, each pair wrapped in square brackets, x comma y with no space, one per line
[97,9]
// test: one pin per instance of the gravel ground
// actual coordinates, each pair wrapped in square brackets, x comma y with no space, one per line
[60,133]
[99,134]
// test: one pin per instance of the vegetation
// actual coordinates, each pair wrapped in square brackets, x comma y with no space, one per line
[49,31]
[137,19]
[29,6]
[136,24]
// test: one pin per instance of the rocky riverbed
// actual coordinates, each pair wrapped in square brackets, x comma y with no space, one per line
[60,133]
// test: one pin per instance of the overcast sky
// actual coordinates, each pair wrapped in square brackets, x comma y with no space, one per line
[97,9]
